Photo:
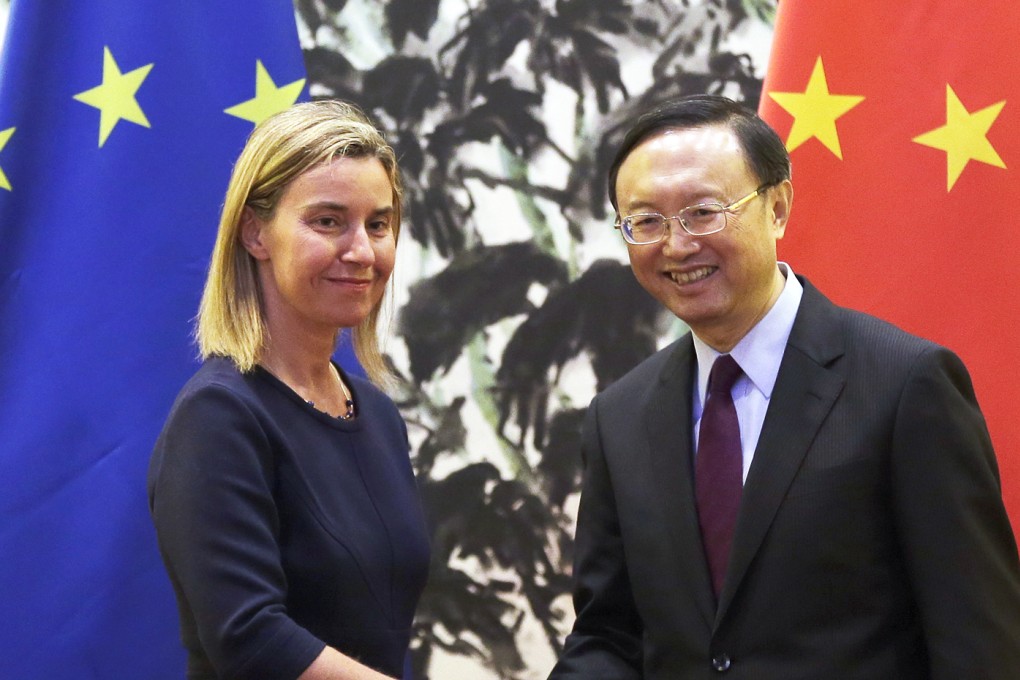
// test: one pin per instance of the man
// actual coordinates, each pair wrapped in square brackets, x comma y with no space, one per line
[846,524]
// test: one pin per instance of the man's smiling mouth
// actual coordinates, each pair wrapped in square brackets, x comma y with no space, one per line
[691,276]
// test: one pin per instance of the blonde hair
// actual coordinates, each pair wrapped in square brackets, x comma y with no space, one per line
[231,319]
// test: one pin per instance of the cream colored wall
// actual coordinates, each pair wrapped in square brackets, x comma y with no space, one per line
[4,10]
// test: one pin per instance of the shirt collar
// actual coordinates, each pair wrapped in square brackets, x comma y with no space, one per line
[760,352]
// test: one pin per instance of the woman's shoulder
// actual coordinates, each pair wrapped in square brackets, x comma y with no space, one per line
[215,370]
[216,411]
[217,386]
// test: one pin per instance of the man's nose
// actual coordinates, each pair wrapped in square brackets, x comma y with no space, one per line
[677,242]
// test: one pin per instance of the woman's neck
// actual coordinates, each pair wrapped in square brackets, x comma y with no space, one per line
[312,376]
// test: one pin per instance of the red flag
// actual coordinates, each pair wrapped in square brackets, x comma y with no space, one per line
[903,124]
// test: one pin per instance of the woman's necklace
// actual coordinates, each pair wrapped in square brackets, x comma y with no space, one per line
[348,397]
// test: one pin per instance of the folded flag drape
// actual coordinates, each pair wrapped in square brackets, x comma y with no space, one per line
[903,123]
[119,124]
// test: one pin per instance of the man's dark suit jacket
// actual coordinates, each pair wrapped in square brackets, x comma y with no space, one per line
[871,544]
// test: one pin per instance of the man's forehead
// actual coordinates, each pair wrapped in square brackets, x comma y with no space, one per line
[700,140]
[712,154]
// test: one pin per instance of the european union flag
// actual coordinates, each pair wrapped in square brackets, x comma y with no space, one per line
[119,124]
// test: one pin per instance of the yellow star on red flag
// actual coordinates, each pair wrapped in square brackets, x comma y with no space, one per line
[115,97]
[815,111]
[5,135]
[964,137]
[269,98]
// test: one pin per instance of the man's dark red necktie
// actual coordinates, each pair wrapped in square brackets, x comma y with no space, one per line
[718,468]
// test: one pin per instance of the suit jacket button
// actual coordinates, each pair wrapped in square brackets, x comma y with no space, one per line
[721,662]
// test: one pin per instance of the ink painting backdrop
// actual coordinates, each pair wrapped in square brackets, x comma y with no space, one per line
[513,300]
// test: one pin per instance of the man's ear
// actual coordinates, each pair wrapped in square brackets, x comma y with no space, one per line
[252,229]
[780,205]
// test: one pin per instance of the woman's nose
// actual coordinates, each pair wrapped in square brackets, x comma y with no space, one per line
[358,246]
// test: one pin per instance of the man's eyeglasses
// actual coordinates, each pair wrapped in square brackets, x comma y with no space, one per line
[697,220]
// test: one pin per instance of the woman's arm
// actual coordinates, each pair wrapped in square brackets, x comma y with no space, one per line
[211,495]
[332,665]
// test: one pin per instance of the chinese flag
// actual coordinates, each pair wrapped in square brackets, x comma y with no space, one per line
[903,123]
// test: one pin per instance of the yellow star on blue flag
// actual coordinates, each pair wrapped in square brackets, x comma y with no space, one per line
[4,136]
[115,97]
[269,98]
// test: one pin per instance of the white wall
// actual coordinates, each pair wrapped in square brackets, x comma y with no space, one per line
[4,9]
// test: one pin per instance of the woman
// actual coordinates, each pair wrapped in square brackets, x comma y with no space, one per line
[280,487]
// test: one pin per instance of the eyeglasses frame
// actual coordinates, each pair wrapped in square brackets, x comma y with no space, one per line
[732,207]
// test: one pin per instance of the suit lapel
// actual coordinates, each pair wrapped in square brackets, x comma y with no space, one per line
[670,448]
[804,393]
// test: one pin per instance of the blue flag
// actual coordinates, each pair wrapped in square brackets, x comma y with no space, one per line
[119,124]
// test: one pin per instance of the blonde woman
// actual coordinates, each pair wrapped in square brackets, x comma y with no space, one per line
[281,489]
